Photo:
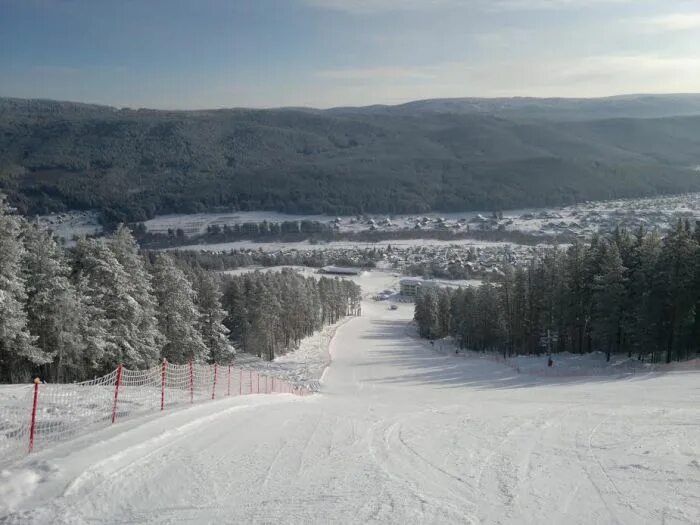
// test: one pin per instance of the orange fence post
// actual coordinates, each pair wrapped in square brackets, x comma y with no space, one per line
[191,382]
[164,366]
[32,428]
[116,393]
[213,388]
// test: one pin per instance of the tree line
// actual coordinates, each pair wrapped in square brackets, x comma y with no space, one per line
[71,314]
[288,231]
[230,260]
[315,231]
[270,313]
[634,294]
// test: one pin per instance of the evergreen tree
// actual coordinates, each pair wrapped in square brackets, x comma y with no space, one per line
[52,304]
[178,316]
[235,305]
[211,317]
[642,312]
[18,353]
[147,339]
[107,292]
[608,299]
[269,313]
[677,276]
[426,312]
[619,294]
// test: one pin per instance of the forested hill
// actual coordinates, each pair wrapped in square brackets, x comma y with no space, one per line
[431,155]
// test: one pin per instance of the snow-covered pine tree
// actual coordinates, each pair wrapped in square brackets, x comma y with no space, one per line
[147,339]
[52,304]
[92,331]
[19,356]
[211,316]
[178,316]
[107,291]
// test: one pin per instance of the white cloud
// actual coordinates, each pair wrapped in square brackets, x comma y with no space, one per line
[673,22]
[596,75]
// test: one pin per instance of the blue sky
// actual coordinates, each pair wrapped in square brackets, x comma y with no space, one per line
[322,53]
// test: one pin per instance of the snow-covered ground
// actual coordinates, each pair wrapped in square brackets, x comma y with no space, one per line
[565,364]
[304,366]
[581,219]
[333,245]
[399,434]
[584,218]
[72,224]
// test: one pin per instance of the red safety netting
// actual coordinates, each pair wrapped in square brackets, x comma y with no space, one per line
[44,414]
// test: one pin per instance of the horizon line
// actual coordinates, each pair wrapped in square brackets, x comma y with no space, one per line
[337,107]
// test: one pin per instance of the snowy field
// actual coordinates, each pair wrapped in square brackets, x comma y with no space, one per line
[581,219]
[72,224]
[566,364]
[584,218]
[333,245]
[400,433]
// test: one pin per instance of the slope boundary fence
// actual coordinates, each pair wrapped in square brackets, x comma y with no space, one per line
[45,414]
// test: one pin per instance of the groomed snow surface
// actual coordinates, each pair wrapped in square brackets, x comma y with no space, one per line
[400,433]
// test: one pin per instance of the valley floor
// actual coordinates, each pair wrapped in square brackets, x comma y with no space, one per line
[399,434]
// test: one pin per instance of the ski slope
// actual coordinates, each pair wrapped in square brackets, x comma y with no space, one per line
[399,434]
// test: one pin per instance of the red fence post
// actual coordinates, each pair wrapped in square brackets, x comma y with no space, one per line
[267,390]
[163,368]
[258,376]
[250,391]
[240,382]
[116,393]
[32,427]
[191,382]
[228,389]
[213,388]
[273,385]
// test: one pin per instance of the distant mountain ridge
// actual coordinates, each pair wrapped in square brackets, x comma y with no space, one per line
[620,106]
[552,108]
[443,154]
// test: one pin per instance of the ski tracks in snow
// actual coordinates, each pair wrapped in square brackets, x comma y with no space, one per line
[398,435]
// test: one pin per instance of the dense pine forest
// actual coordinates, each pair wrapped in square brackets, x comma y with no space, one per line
[71,314]
[131,165]
[366,258]
[635,294]
[314,231]
[271,312]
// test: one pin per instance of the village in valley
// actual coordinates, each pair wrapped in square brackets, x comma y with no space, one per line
[459,248]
